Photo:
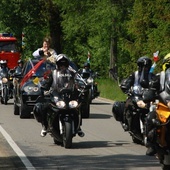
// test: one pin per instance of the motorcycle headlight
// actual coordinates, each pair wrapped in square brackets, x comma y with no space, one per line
[61,104]
[4,80]
[90,80]
[73,104]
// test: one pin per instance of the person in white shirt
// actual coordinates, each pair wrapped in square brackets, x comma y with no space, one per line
[45,50]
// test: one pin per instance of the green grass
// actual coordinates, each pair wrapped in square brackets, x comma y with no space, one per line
[109,89]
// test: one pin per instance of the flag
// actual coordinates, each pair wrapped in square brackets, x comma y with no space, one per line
[31,72]
[88,57]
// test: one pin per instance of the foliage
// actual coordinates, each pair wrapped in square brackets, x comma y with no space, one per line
[116,33]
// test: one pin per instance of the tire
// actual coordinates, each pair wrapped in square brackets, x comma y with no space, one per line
[57,142]
[24,111]
[2,101]
[85,110]
[16,109]
[90,96]
[67,134]
[135,140]
[5,95]
[165,167]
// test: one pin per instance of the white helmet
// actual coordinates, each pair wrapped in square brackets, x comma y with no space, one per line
[3,62]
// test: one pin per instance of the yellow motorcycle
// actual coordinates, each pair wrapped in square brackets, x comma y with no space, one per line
[162,134]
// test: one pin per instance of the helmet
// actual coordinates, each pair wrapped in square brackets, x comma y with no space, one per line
[3,62]
[166,62]
[20,62]
[87,65]
[144,61]
[62,60]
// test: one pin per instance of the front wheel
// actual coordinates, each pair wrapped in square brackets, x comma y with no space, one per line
[5,95]
[67,134]
[165,167]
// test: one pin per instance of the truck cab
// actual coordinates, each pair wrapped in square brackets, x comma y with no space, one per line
[9,50]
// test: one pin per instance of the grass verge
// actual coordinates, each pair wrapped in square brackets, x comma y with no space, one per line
[109,89]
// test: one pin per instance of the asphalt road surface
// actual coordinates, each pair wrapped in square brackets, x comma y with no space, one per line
[105,145]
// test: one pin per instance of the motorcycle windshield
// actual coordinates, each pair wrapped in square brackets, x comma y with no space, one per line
[85,74]
[64,80]
[137,90]
[3,72]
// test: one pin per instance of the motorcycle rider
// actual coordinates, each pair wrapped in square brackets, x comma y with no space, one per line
[137,82]
[62,66]
[162,92]
[17,71]
[87,69]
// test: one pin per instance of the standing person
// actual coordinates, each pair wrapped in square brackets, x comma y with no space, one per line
[45,50]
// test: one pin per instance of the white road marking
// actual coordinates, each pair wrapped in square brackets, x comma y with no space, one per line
[17,150]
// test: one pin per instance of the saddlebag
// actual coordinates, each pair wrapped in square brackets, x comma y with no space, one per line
[118,109]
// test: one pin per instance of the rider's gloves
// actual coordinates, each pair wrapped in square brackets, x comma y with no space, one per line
[141,104]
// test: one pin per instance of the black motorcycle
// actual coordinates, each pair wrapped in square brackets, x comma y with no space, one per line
[64,112]
[89,78]
[136,116]
[6,86]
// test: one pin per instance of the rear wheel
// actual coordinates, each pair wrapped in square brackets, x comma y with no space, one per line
[85,110]
[57,142]
[137,141]
[67,134]
[16,109]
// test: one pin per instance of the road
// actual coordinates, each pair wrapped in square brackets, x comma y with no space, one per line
[105,145]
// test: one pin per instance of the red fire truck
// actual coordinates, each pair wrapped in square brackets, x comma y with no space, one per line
[9,50]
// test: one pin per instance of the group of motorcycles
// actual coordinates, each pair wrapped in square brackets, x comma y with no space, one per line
[159,136]
[65,111]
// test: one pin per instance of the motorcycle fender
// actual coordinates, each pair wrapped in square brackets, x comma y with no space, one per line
[167,159]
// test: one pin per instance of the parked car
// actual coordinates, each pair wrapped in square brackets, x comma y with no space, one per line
[27,89]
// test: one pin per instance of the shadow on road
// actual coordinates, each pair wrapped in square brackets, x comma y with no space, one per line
[84,162]
[101,103]
[99,116]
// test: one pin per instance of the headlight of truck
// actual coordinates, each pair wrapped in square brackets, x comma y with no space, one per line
[4,80]
[73,104]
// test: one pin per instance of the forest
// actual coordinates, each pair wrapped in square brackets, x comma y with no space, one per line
[115,33]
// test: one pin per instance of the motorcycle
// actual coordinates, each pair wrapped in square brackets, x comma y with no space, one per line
[89,78]
[6,86]
[137,116]
[64,113]
[161,134]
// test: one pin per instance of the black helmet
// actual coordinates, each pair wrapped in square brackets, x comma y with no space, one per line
[144,62]
[62,60]
[20,62]
[87,65]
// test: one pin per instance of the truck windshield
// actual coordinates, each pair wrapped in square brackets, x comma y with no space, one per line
[8,46]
